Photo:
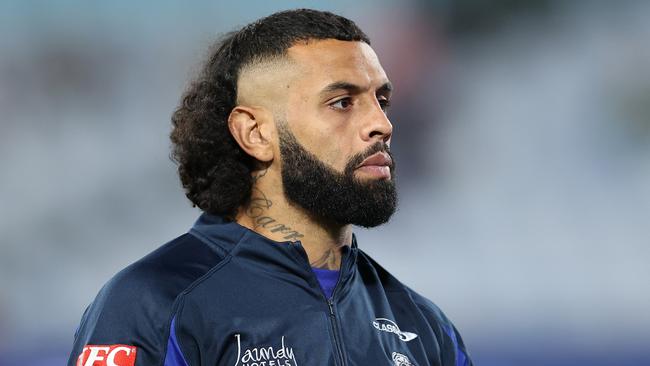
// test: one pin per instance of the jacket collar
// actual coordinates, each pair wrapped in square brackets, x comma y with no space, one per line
[266,254]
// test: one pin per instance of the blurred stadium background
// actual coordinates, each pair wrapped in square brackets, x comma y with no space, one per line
[522,135]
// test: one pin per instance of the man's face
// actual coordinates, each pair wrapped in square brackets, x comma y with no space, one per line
[334,141]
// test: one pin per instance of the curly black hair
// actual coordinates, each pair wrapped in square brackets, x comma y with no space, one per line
[214,170]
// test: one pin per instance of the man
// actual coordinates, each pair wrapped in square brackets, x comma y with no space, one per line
[283,142]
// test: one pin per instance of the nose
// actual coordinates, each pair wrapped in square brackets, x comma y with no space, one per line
[377,125]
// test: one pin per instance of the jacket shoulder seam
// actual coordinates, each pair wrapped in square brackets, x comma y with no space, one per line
[228,256]
[178,302]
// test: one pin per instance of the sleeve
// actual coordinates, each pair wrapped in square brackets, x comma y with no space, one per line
[131,321]
[452,349]
[128,323]
[459,352]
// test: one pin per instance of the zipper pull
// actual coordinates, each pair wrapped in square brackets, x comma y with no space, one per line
[331,306]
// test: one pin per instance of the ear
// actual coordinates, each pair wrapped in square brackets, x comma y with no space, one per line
[250,128]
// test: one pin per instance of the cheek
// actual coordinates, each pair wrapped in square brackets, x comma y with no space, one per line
[324,133]
[326,144]
[337,147]
[325,147]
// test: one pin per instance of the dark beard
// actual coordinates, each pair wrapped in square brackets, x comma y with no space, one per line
[328,194]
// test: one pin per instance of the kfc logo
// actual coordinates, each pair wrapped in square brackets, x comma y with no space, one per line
[107,355]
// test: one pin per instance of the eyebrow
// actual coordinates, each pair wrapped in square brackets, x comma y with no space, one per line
[354,88]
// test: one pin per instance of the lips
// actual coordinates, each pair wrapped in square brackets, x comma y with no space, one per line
[377,159]
[376,166]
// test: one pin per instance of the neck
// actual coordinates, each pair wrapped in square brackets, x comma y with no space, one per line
[271,215]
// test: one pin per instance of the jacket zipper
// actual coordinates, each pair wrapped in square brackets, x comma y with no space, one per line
[338,343]
[337,340]
[330,305]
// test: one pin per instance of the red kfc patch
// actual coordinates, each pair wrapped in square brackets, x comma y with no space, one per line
[107,355]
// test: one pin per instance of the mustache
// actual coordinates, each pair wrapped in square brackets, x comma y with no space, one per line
[357,159]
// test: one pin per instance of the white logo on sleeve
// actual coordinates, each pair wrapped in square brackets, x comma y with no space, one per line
[401,360]
[107,355]
[387,325]
[265,356]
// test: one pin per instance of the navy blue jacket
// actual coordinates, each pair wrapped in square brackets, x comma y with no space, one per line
[224,295]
